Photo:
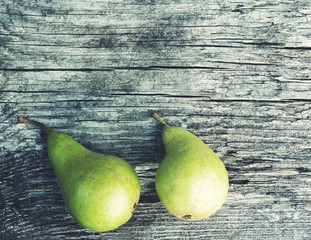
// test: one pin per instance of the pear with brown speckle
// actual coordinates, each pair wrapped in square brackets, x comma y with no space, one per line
[192,182]
[101,191]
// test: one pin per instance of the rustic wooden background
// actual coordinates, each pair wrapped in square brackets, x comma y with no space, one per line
[235,73]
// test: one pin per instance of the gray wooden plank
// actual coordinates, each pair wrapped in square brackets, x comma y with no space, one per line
[219,37]
[254,137]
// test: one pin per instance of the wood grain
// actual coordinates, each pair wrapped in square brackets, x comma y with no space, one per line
[236,74]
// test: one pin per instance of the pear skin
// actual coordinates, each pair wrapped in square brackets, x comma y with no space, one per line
[191,181]
[100,191]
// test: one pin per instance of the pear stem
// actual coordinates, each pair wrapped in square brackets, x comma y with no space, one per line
[156,116]
[45,128]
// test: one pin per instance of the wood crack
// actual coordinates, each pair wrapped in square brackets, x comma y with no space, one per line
[153,67]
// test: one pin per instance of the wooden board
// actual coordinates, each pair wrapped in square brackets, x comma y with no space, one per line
[237,74]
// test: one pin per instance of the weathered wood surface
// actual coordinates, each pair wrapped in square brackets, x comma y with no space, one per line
[237,74]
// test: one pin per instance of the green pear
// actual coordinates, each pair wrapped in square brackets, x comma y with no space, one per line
[191,182]
[100,191]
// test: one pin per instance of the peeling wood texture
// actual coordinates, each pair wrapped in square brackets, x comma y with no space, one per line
[235,73]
